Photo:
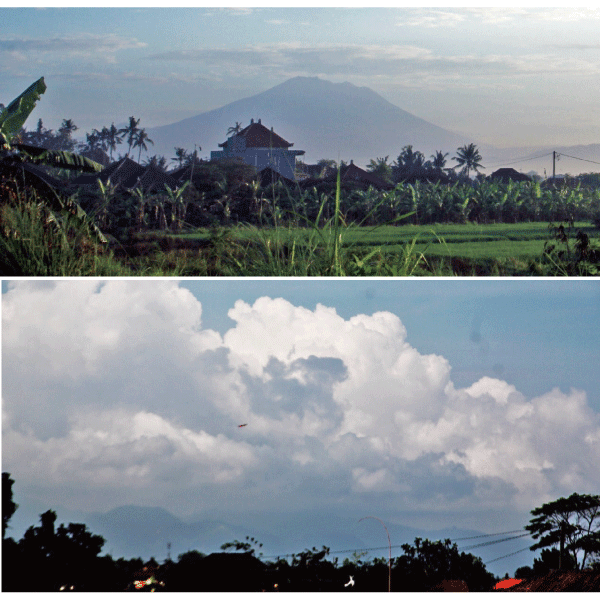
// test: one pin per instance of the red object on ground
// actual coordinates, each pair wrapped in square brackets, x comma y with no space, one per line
[509,582]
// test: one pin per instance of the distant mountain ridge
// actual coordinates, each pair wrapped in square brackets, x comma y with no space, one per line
[325,119]
[343,121]
[136,531]
[141,531]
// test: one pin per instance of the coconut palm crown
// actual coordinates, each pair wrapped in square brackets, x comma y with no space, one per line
[469,158]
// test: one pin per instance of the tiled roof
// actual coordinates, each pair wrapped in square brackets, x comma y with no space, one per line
[258,135]
[559,580]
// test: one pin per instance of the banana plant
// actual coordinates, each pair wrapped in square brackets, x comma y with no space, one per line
[19,162]
[13,117]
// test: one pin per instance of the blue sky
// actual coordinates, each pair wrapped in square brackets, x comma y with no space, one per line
[463,403]
[505,76]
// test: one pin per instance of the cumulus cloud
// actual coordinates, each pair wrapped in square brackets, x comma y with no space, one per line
[112,388]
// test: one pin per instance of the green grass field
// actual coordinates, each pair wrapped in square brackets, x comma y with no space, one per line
[473,241]
[442,249]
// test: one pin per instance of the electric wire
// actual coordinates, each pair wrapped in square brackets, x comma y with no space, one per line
[387,547]
[497,541]
[506,556]
[517,161]
[581,159]
[488,535]
[558,155]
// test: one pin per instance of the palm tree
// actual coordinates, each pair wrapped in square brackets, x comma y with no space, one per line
[92,140]
[469,158]
[234,130]
[409,164]
[180,154]
[113,138]
[140,141]
[131,130]
[102,137]
[381,168]
[439,161]
[67,128]
[158,161]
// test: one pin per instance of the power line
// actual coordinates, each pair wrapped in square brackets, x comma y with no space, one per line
[520,160]
[488,535]
[581,159]
[506,556]
[496,541]
[367,549]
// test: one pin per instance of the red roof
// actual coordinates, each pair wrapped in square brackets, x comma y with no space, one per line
[559,580]
[258,135]
[507,583]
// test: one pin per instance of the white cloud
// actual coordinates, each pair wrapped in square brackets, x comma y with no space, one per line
[404,65]
[112,388]
[83,43]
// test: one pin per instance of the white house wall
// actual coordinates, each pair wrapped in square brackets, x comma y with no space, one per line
[280,160]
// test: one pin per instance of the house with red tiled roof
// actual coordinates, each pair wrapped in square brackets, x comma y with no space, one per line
[260,147]
[558,580]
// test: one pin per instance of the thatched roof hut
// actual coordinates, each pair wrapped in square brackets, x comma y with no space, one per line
[506,174]
[128,174]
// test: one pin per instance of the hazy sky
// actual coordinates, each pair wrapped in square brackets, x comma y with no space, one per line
[503,76]
[434,397]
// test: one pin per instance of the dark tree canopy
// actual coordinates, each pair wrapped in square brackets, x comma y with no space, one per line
[574,520]
[8,505]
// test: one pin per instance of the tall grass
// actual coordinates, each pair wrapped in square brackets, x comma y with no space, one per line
[34,241]
[320,248]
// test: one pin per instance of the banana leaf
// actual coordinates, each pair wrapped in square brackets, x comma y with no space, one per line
[13,117]
[49,188]
[59,159]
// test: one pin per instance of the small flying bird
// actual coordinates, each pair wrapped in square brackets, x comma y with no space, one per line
[350,583]
[243,425]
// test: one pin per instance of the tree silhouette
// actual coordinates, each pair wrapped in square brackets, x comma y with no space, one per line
[381,168]
[141,140]
[180,154]
[572,522]
[469,158]
[113,138]
[428,563]
[157,161]
[68,127]
[409,165]
[234,130]
[438,160]
[67,556]
[131,131]
[8,505]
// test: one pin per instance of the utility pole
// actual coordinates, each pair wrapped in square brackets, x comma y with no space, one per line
[390,556]
[555,156]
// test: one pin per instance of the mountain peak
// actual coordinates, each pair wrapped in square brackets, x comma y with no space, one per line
[323,118]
